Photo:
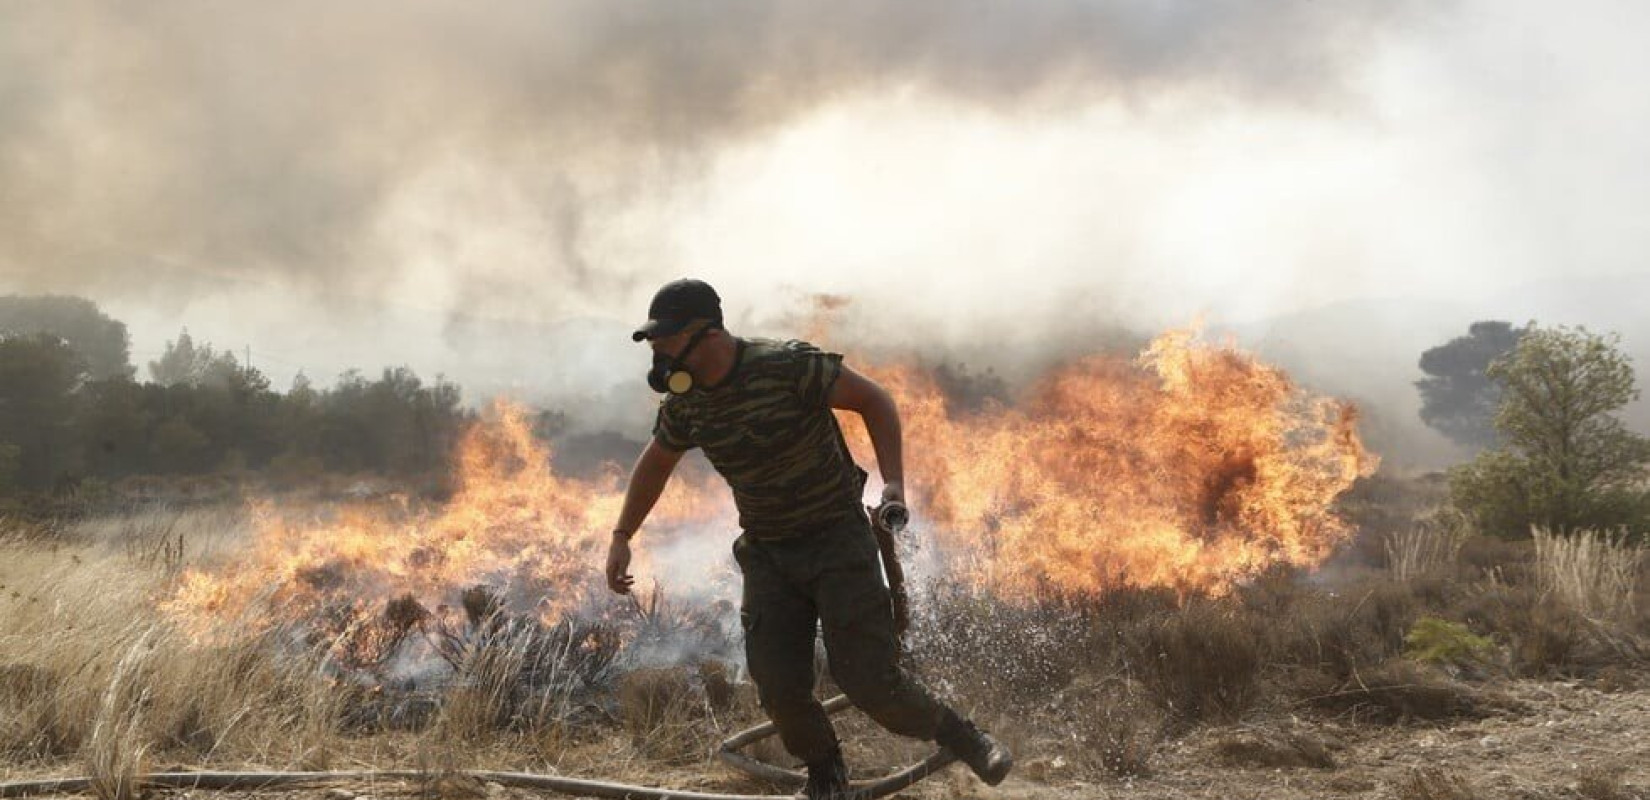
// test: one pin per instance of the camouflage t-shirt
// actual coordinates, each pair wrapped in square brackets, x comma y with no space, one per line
[768,430]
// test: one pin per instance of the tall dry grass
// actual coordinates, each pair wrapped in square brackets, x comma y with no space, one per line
[1430,547]
[94,678]
[89,671]
[116,748]
[1593,573]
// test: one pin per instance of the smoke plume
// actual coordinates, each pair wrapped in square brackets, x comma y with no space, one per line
[183,148]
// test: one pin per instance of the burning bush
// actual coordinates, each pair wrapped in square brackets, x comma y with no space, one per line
[1217,468]
[1193,466]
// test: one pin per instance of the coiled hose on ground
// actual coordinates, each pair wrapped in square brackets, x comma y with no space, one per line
[729,753]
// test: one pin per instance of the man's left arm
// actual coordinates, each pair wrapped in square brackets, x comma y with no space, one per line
[854,392]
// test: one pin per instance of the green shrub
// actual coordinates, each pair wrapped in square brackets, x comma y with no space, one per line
[1439,641]
[1566,462]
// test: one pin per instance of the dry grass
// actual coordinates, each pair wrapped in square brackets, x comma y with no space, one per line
[1115,724]
[1431,547]
[1541,637]
[1352,649]
[1604,783]
[1340,633]
[1202,662]
[116,748]
[1273,750]
[665,710]
[1483,556]
[1435,784]
[91,677]
[1590,572]
[1400,692]
[76,616]
[484,701]
[123,681]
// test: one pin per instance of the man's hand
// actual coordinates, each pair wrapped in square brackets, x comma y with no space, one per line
[619,578]
[891,514]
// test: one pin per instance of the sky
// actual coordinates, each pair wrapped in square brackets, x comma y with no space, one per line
[494,193]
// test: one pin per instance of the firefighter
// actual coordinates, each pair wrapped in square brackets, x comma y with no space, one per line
[761,410]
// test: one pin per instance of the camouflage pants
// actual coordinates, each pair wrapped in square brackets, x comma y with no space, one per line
[831,578]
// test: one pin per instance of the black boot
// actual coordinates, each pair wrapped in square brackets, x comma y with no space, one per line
[986,756]
[828,778]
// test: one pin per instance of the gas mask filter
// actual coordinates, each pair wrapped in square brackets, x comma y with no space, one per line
[670,375]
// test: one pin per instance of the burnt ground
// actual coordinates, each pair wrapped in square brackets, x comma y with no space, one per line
[1583,739]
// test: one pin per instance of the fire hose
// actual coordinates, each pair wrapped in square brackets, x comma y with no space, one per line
[886,522]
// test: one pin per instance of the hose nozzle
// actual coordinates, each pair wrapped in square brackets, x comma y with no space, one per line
[892,516]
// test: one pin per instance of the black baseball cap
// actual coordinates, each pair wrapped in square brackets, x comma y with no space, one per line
[676,305]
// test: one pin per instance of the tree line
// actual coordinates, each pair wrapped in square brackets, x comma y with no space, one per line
[72,408]
[1538,404]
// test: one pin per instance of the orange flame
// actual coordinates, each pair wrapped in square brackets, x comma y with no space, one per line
[1191,466]
[513,524]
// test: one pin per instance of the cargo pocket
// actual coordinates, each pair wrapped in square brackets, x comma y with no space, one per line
[740,546]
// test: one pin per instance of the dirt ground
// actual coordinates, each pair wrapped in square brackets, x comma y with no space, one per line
[1569,740]
[1557,740]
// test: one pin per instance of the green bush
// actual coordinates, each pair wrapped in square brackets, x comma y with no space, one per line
[1566,462]
[1439,641]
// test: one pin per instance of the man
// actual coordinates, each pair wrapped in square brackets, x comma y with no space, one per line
[762,412]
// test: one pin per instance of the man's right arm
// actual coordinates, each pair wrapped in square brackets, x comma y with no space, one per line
[647,481]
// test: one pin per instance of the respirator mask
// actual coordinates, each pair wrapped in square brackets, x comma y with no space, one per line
[670,374]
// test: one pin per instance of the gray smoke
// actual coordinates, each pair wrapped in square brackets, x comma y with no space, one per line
[493,191]
[175,149]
